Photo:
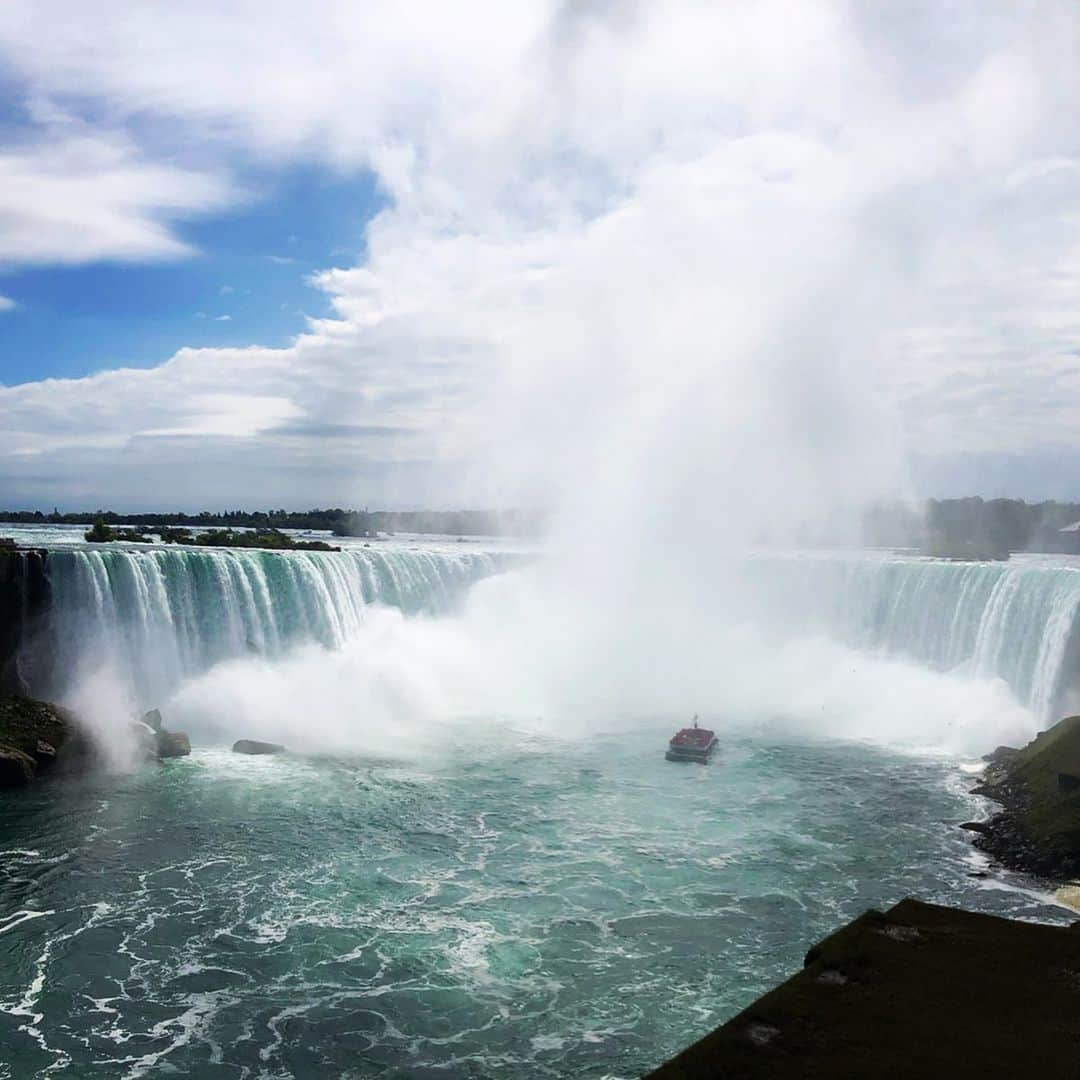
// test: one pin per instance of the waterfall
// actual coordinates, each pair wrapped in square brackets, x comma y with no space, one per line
[1012,621]
[159,615]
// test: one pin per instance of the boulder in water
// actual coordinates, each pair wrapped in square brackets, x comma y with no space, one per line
[253,746]
[145,739]
[155,741]
[152,720]
[172,744]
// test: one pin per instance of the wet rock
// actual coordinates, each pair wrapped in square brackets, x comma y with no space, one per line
[35,738]
[44,753]
[1038,787]
[152,720]
[253,746]
[16,768]
[172,744]
[1001,755]
[25,602]
[145,740]
[154,741]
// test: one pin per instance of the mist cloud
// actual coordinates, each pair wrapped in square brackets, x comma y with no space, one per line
[832,233]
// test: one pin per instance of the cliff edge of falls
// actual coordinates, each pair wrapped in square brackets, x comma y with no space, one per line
[25,599]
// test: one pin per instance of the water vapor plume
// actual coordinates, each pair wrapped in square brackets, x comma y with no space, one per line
[686,274]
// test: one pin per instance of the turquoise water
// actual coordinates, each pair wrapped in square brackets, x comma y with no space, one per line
[514,906]
[487,901]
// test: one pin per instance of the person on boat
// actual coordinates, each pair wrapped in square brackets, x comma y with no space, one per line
[695,720]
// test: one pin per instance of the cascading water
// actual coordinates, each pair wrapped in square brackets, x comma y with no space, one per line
[159,615]
[1012,621]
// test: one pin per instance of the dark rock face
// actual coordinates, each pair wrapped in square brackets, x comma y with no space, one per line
[1038,829]
[172,744]
[915,991]
[16,768]
[37,737]
[25,599]
[253,746]
[1001,755]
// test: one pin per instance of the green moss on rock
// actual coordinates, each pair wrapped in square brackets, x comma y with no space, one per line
[1038,831]
[35,736]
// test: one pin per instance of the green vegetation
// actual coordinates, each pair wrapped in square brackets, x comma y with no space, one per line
[32,736]
[260,538]
[264,538]
[100,533]
[974,528]
[1038,830]
[447,522]
[336,520]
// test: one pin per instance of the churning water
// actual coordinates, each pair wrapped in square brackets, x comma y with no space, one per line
[161,615]
[515,906]
[165,614]
[480,896]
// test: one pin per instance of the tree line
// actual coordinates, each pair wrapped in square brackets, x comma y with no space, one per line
[988,528]
[339,521]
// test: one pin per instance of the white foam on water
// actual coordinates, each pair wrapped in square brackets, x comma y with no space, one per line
[18,917]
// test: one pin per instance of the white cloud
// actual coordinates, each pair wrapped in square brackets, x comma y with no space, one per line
[222,318]
[76,197]
[7,304]
[795,234]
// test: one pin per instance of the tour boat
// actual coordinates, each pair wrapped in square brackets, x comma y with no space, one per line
[692,744]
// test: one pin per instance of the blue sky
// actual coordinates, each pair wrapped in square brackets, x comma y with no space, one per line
[513,254]
[247,283]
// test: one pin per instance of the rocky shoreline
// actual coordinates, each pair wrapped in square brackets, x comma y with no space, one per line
[38,738]
[1037,831]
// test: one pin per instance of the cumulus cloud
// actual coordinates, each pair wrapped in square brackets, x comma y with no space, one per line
[830,230]
[71,197]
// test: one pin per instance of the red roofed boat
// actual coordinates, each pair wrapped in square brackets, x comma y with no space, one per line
[692,744]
